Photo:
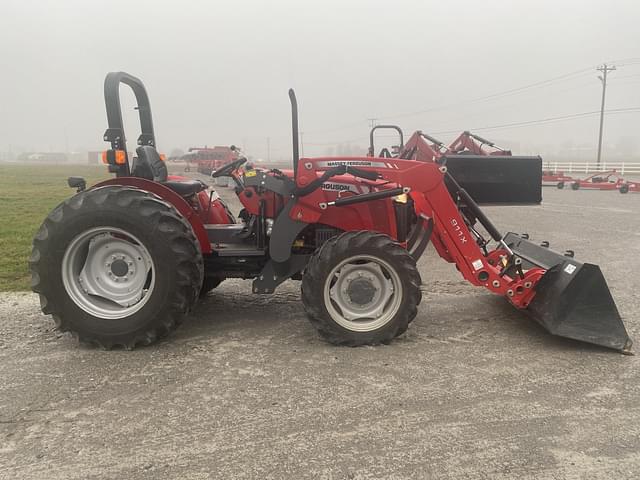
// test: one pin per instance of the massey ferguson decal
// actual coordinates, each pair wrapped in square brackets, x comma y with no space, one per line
[345,187]
[355,163]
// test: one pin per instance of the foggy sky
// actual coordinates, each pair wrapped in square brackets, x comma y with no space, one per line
[217,72]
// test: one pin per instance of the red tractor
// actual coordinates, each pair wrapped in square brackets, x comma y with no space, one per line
[609,180]
[466,143]
[556,179]
[121,263]
[208,160]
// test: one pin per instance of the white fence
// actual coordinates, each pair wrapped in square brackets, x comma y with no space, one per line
[573,167]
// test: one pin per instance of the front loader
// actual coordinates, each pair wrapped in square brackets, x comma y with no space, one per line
[121,263]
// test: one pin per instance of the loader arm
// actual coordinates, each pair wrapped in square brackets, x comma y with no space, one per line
[419,148]
[471,143]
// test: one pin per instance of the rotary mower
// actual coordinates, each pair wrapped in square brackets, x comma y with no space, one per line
[555,179]
[609,180]
[121,263]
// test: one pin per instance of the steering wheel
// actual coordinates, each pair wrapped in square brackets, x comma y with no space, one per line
[228,168]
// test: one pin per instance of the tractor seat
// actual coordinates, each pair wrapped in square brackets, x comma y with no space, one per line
[149,166]
[185,188]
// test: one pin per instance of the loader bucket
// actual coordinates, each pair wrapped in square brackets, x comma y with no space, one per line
[572,299]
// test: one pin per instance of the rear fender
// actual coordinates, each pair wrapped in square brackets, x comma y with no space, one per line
[169,196]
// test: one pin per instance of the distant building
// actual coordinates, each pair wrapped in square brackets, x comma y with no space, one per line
[43,157]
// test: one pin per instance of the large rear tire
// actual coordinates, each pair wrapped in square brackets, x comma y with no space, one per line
[361,288]
[116,266]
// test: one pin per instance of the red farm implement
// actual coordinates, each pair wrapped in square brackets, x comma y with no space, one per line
[208,160]
[122,262]
[609,180]
[555,179]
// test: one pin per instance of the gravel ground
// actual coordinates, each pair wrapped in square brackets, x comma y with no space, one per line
[247,389]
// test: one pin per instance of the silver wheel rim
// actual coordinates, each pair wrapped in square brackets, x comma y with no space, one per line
[108,273]
[362,293]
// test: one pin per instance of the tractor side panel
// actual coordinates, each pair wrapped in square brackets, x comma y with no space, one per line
[215,212]
[376,215]
[171,197]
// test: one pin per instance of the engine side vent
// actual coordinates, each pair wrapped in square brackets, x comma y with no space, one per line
[324,234]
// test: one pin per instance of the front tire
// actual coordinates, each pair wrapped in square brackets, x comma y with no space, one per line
[575,186]
[361,288]
[116,266]
[624,188]
[560,185]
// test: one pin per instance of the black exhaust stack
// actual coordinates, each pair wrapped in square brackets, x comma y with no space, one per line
[294,131]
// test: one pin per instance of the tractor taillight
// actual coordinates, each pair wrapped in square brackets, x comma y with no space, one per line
[114,157]
[163,157]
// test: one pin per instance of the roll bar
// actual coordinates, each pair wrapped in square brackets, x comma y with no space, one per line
[372,151]
[115,131]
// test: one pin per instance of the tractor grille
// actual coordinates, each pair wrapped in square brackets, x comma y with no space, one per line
[324,234]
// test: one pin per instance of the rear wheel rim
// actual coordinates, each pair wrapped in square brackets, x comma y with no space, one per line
[108,273]
[363,293]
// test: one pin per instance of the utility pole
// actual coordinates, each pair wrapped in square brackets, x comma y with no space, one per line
[268,149]
[603,78]
[302,144]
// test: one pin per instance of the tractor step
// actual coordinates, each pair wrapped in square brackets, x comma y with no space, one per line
[224,233]
[237,250]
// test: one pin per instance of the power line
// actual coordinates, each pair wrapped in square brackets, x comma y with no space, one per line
[623,62]
[513,91]
[540,121]
[545,120]
[627,76]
